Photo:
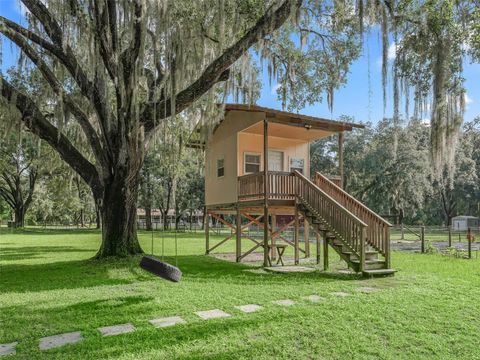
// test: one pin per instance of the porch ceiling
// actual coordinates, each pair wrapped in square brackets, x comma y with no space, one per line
[288,131]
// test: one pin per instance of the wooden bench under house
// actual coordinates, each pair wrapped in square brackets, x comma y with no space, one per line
[258,168]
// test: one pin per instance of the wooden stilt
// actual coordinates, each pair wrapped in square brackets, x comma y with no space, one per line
[296,236]
[273,254]
[207,233]
[325,251]
[340,158]
[317,236]
[239,235]
[306,237]
[266,192]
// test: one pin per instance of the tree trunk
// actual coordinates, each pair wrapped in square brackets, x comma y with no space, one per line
[118,210]
[148,218]
[401,215]
[97,215]
[19,217]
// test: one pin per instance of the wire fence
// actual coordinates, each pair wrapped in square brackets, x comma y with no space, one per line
[435,239]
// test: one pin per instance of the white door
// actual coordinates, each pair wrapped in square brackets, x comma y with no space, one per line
[275,160]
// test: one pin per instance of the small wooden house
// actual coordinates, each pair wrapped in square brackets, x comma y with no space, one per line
[258,167]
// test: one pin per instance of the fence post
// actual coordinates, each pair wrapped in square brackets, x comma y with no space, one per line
[449,236]
[469,239]
[422,238]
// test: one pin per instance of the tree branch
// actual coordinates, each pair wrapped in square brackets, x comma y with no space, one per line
[35,121]
[4,193]
[218,69]
[57,88]
[61,51]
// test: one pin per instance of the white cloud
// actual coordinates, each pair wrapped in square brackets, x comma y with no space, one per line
[392,51]
[274,89]
[468,99]
[19,8]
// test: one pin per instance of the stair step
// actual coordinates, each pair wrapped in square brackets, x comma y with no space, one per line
[369,255]
[371,264]
[379,272]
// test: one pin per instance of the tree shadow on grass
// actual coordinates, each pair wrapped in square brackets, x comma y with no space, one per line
[69,275]
[91,272]
[29,252]
[48,231]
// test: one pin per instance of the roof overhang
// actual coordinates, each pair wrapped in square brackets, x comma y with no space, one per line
[292,119]
[308,127]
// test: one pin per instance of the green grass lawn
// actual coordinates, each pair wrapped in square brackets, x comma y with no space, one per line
[50,285]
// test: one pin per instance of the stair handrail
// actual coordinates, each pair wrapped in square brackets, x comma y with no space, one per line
[350,229]
[350,197]
[331,199]
[378,234]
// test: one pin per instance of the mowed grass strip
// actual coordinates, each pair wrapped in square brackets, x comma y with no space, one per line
[50,285]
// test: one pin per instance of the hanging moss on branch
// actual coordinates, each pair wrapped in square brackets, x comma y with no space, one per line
[117,70]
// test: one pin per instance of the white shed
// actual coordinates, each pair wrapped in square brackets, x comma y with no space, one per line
[463,222]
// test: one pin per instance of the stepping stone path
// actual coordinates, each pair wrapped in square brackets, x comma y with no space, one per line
[55,341]
[367,290]
[212,314]
[314,298]
[340,293]
[8,349]
[249,308]
[167,321]
[286,302]
[117,329]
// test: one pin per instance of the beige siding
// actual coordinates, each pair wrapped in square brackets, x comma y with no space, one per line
[223,144]
[253,143]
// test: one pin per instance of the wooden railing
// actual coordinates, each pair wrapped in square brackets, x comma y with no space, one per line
[378,231]
[352,221]
[281,186]
[343,223]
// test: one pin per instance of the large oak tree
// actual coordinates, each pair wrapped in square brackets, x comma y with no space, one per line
[120,68]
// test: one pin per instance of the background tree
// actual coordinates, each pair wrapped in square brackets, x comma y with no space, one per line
[20,168]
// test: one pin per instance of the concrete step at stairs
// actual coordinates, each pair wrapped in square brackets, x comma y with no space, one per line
[379,272]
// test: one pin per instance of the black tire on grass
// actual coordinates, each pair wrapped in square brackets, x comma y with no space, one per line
[159,268]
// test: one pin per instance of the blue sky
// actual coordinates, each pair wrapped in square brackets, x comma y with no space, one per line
[353,99]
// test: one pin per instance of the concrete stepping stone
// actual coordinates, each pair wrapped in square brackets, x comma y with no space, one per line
[116,329]
[285,302]
[249,308]
[8,349]
[55,341]
[340,293]
[367,290]
[314,298]
[212,314]
[167,321]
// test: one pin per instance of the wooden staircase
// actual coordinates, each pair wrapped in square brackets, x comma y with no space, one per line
[356,233]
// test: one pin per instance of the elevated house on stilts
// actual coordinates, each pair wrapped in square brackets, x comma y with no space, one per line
[258,168]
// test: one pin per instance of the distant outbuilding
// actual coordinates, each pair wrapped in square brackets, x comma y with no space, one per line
[463,222]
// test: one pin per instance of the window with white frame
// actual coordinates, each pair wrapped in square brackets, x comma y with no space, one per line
[251,163]
[297,164]
[220,167]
